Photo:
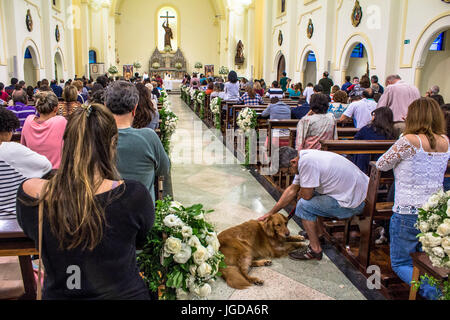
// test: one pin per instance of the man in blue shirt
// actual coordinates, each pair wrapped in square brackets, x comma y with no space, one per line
[347,83]
[56,89]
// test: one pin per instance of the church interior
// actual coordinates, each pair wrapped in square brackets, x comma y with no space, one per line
[331,112]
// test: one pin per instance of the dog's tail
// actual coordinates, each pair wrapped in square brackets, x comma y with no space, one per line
[234,278]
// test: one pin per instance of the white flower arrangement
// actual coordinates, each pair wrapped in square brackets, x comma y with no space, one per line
[156,65]
[215,107]
[247,119]
[223,70]
[182,253]
[434,225]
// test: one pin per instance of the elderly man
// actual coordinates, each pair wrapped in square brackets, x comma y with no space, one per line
[433,93]
[398,95]
[330,186]
[140,153]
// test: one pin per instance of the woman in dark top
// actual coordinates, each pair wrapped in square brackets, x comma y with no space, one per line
[147,115]
[381,128]
[92,220]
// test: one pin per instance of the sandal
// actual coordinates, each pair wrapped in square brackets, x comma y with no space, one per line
[302,255]
[304,234]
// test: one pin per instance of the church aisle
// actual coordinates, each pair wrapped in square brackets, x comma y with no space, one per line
[200,175]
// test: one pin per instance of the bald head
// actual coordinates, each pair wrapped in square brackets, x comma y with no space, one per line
[392,79]
[20,96]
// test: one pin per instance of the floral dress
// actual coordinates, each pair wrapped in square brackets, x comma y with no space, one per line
[312,129]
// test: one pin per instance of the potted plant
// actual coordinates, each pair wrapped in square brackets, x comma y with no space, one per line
[179,65]
[223,70]
[167,49]
[137,65]
[113,70]
[198,65]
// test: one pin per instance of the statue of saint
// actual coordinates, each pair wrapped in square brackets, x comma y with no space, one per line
[169,35]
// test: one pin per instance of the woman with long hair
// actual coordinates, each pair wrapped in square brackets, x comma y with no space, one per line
[296,92]
[250,97]
[95,222]
[381,128]
[232,87]
[147,116]
[419,160]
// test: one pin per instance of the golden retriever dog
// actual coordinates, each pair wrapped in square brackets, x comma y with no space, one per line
[251,243]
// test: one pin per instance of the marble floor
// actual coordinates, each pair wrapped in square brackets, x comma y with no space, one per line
[204,171]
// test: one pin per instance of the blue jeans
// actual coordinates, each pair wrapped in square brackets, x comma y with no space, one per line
[404,242]
[324,206]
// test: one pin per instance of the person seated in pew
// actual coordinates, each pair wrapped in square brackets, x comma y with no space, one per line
[209,89]
[317,125]
[300,111]
[360,111]
[329,185]
[309,91]
[140,153]
[91,218]
[347,83]
[218,92]
[17,163]
[204,85]
[232,87]
[21,108]
[296,92]
[275,91]
[44,134]
[70,103]
[258,89]
[250,97]
[334,89]
[147,114]
[419,160]
[278,110]
[380,128]
[340,104]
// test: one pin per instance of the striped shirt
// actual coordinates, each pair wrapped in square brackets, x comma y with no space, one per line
[22,112]
[10,181]
[275,92]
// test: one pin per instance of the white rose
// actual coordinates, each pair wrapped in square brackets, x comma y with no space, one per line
[182,295]
[193,269]
[444,229]
[438,252]
[172,221]
[424,226]
[432,240]
[204,291]
[212,240]
[172,245]
[186,231]
[210,250]
[426,207]
[194,242]
[201,255]
[199,217]
[183,256]
[204,270]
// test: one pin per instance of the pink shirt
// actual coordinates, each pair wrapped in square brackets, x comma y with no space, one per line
[45,138]
[399,97]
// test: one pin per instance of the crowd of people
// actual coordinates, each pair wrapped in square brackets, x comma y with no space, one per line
[89,156]
[334,186]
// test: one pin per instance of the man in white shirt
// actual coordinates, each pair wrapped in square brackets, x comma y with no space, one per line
[361,111]
[330,186]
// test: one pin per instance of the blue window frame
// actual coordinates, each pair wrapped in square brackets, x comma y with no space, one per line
[438,44]
[311,57]
[92,56]
[28,54]
[358,51]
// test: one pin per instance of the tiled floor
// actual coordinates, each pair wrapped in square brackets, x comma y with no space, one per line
[236,197]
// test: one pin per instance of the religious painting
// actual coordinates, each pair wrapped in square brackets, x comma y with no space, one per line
[446,1]
[310,29]
[357,14]
[128,71]
[280,38]
[57,34]
[167,30]
[209,70]
[29,21]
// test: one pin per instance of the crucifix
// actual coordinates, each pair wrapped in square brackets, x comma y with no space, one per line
[169,34]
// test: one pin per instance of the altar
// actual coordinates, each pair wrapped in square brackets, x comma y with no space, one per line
[172,85]
[172,63]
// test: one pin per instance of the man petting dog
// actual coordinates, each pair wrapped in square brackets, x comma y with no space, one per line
[330,186]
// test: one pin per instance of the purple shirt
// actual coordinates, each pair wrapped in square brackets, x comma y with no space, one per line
[22,112]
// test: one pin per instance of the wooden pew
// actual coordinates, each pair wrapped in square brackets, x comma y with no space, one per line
[13,242]
[357,146]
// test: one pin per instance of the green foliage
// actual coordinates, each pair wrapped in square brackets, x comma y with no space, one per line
[444,286]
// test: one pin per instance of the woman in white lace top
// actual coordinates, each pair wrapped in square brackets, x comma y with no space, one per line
[419,160]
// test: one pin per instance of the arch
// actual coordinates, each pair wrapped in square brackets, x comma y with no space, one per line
[347,49]
[305,52]
[157,26]
[58,49]
[29,43]
[59,65]
[281,67]
[277,60]
[437,25]
[30,65]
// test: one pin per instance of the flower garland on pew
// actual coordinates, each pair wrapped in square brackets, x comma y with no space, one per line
[215,105]
[247,121]
[169,121]
[181,257]
[193,96]
[183,93]
[201,98]
[434,224]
